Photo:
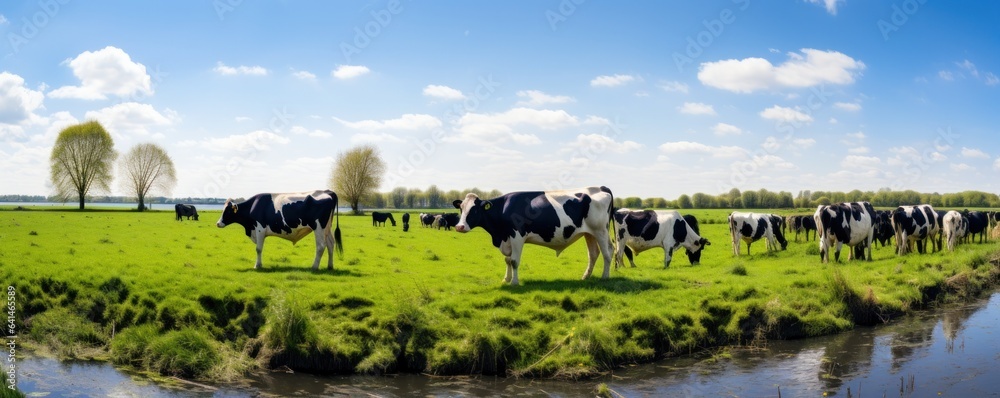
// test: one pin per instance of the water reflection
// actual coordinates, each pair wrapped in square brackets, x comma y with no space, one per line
[949,352]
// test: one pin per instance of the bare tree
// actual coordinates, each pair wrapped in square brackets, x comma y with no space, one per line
[82,160]
[357,173]
[145,169]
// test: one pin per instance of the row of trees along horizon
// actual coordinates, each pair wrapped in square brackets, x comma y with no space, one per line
[83,157]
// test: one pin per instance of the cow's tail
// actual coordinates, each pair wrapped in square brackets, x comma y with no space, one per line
[336,233]
[611,218]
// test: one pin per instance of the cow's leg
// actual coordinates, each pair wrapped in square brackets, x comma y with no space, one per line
[592,251]
[603,240]
[619,254]
[748,248]
[630,254]
[668,253]
[836,254]
[515,262]
[260,249]
[330,243]
[320,243]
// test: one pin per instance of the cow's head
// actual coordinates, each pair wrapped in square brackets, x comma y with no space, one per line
[695,255]
[473,210]
[228,214]
[777,223]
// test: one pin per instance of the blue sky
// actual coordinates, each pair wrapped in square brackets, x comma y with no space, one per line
[648,98]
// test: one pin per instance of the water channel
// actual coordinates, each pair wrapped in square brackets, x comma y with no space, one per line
[944,352]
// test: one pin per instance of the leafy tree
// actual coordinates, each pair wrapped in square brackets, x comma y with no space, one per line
[684,202]
[357,173]
[398,197]
[147,168]
[750,199]
[660,203]
[82,161]
[702,201]
[435,199]
[633,202]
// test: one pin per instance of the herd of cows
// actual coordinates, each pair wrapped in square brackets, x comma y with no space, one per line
[557,219]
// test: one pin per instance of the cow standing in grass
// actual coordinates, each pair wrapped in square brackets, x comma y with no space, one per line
[289,216]
[955,227]
[914,224]
[182,210]
[554,219]
[751,227]
[848,224]
[637,231]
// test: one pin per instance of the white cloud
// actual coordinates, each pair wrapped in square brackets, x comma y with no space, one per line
[860,162]
[345,72]
[316,133]
[946,75]
[673,86]
[597,144]
[969,67]
[688,147]
[443,92]
[304,75]
[696,108]
[991,79]
[831,5]
[537,98]
[772,161]
[17,102]
[224,70]
[809,68]
[597,121]
[848,106]
[960,167]
[832,120]
[974,153]
[495,153]
[3,20]
[724,129]
[407,121]
[259,140]
[106,71]
[131,118]
[780,113]
[241,119]
[481,123]
[612,80]
[996,164]
[859,150]
[804,143]
[375,138]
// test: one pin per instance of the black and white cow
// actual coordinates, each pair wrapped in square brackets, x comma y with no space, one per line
[850,224]
[406,222]
[181,210]
[801,224]
[751,227]
[883,228]
[378,219]
[554,219]
[955,226]
[426,220]
[289,216]
[978,224]
[441,222]
[638,231]
[451,219]
[914,224]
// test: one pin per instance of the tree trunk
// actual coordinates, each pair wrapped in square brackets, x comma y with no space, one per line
[354,207]
[81,200]
[142,204]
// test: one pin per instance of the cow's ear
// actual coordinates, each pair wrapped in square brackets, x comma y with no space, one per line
[457,204]
[235,208]
[487,205]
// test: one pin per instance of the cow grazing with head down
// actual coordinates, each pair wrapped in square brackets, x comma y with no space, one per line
[955,226]
[978,223]
[379,219]
[883,228]
[406,222]
[914,224]
[289,216]
[800,224]
[638,231]
[554,219]
[848,224]
[181,210]
[751,227]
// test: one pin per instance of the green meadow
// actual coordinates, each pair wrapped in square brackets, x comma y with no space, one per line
[182,298]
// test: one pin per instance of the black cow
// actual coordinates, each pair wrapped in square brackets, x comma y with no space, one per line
[799,223]
[185,211]
[554,219]
[451,219]
[850,224]
[914,224]
[883,227]
[378,219]
[426,220]
[406,222]
[978,223]
[289,216]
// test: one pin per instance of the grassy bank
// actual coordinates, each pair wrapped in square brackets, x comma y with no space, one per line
[182,298]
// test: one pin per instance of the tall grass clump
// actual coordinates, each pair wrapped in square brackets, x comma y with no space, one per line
[287,327]
[66,334]
[186,353]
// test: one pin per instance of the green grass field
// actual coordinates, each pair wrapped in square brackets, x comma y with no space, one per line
[182,298]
